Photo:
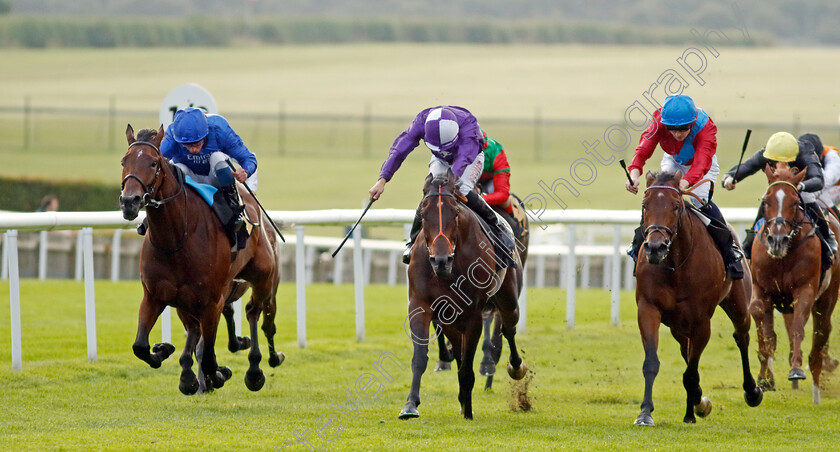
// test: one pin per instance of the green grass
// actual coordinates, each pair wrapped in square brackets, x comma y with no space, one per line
[586,389]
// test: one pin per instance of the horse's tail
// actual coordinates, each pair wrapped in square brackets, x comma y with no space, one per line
[522,232]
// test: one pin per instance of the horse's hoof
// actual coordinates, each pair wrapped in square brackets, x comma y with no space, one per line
[188,386]
[703,408]
[488,386]
[518,373]
[487,368]
[224,372]
[409,411]
[215,380]
[829,364]
[442,366]
[241,343]
[644,419]
[689,420]
[163,350]
[796,374]
[254,380]
[276,359]
[754,397]
[767,384]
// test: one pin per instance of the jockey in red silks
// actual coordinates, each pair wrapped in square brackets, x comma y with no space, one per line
[495,177]
[688,136]
[453,136]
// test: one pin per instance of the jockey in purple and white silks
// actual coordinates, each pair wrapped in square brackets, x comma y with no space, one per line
[200,145]
[453,136]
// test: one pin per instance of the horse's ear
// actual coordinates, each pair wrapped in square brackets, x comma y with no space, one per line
[678,175]
[159,136]
[129,134]
[798,177]
[450,176]
[649,177]
[768,170]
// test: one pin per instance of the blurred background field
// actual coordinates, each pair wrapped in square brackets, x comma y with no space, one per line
[321,117]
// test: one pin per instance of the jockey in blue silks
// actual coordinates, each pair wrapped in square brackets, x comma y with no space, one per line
[200,145]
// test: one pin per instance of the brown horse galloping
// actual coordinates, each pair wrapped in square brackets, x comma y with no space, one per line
[451,277]
[185,263]
[786,265]
[680,280]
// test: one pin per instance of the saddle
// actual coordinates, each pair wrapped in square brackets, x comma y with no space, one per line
[217,202]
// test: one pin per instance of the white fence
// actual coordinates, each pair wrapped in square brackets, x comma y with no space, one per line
[11,223]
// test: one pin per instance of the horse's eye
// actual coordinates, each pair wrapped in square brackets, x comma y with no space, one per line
[153,165]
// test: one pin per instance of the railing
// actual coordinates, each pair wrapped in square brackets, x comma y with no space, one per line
[11,223]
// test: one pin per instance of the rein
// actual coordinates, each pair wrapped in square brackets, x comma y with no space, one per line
[440,196]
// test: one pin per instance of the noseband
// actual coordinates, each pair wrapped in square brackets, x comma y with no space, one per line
[148,191]
[440,233]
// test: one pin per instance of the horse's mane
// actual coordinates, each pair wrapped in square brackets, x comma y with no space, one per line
[663,177]
[146,134]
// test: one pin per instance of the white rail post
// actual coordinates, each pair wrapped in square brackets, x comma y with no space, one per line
[338,269]
[540,281]
[359,283]
[90,297]
[300,285]
[237,317]
[368,260]
[116,243]
[42,255]
[615,289]
[392,267]
[166,325]
[570,279]
[79,248]
[10,252]
[586,260]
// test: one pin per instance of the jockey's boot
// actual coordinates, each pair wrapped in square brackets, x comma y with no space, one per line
[412,236]
[724,241]
[143,227]
[236,225]
[633,249]
[502,243]
[748,242]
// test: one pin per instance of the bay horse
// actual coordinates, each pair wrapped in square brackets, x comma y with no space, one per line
[451,277]
[185,262]
[786,264]
[680,281]
[492,344]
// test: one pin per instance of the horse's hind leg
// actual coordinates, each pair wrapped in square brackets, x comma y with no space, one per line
[445,356]
[488,365]
[822,330]
[235,343]
[189,384]
[691,347]
[254,377]
[762,314]
[149,312]
[275,358]
[735,308]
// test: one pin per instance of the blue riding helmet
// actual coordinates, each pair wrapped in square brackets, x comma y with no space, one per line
[678,111]
[190,125]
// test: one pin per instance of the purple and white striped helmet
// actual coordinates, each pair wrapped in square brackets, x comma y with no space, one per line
[441,129]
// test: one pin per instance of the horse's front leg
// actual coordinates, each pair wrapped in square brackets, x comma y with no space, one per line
[150,310]
[445,356]
[649,319]
[418,322]
[189,383]
[735,307]
[795,324]
[761,310]
[466,374]
[488,364]
[235,343]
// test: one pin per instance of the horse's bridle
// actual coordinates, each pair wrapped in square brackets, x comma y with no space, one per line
[660,227]
[148,191]
[795,227]
[440,233]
